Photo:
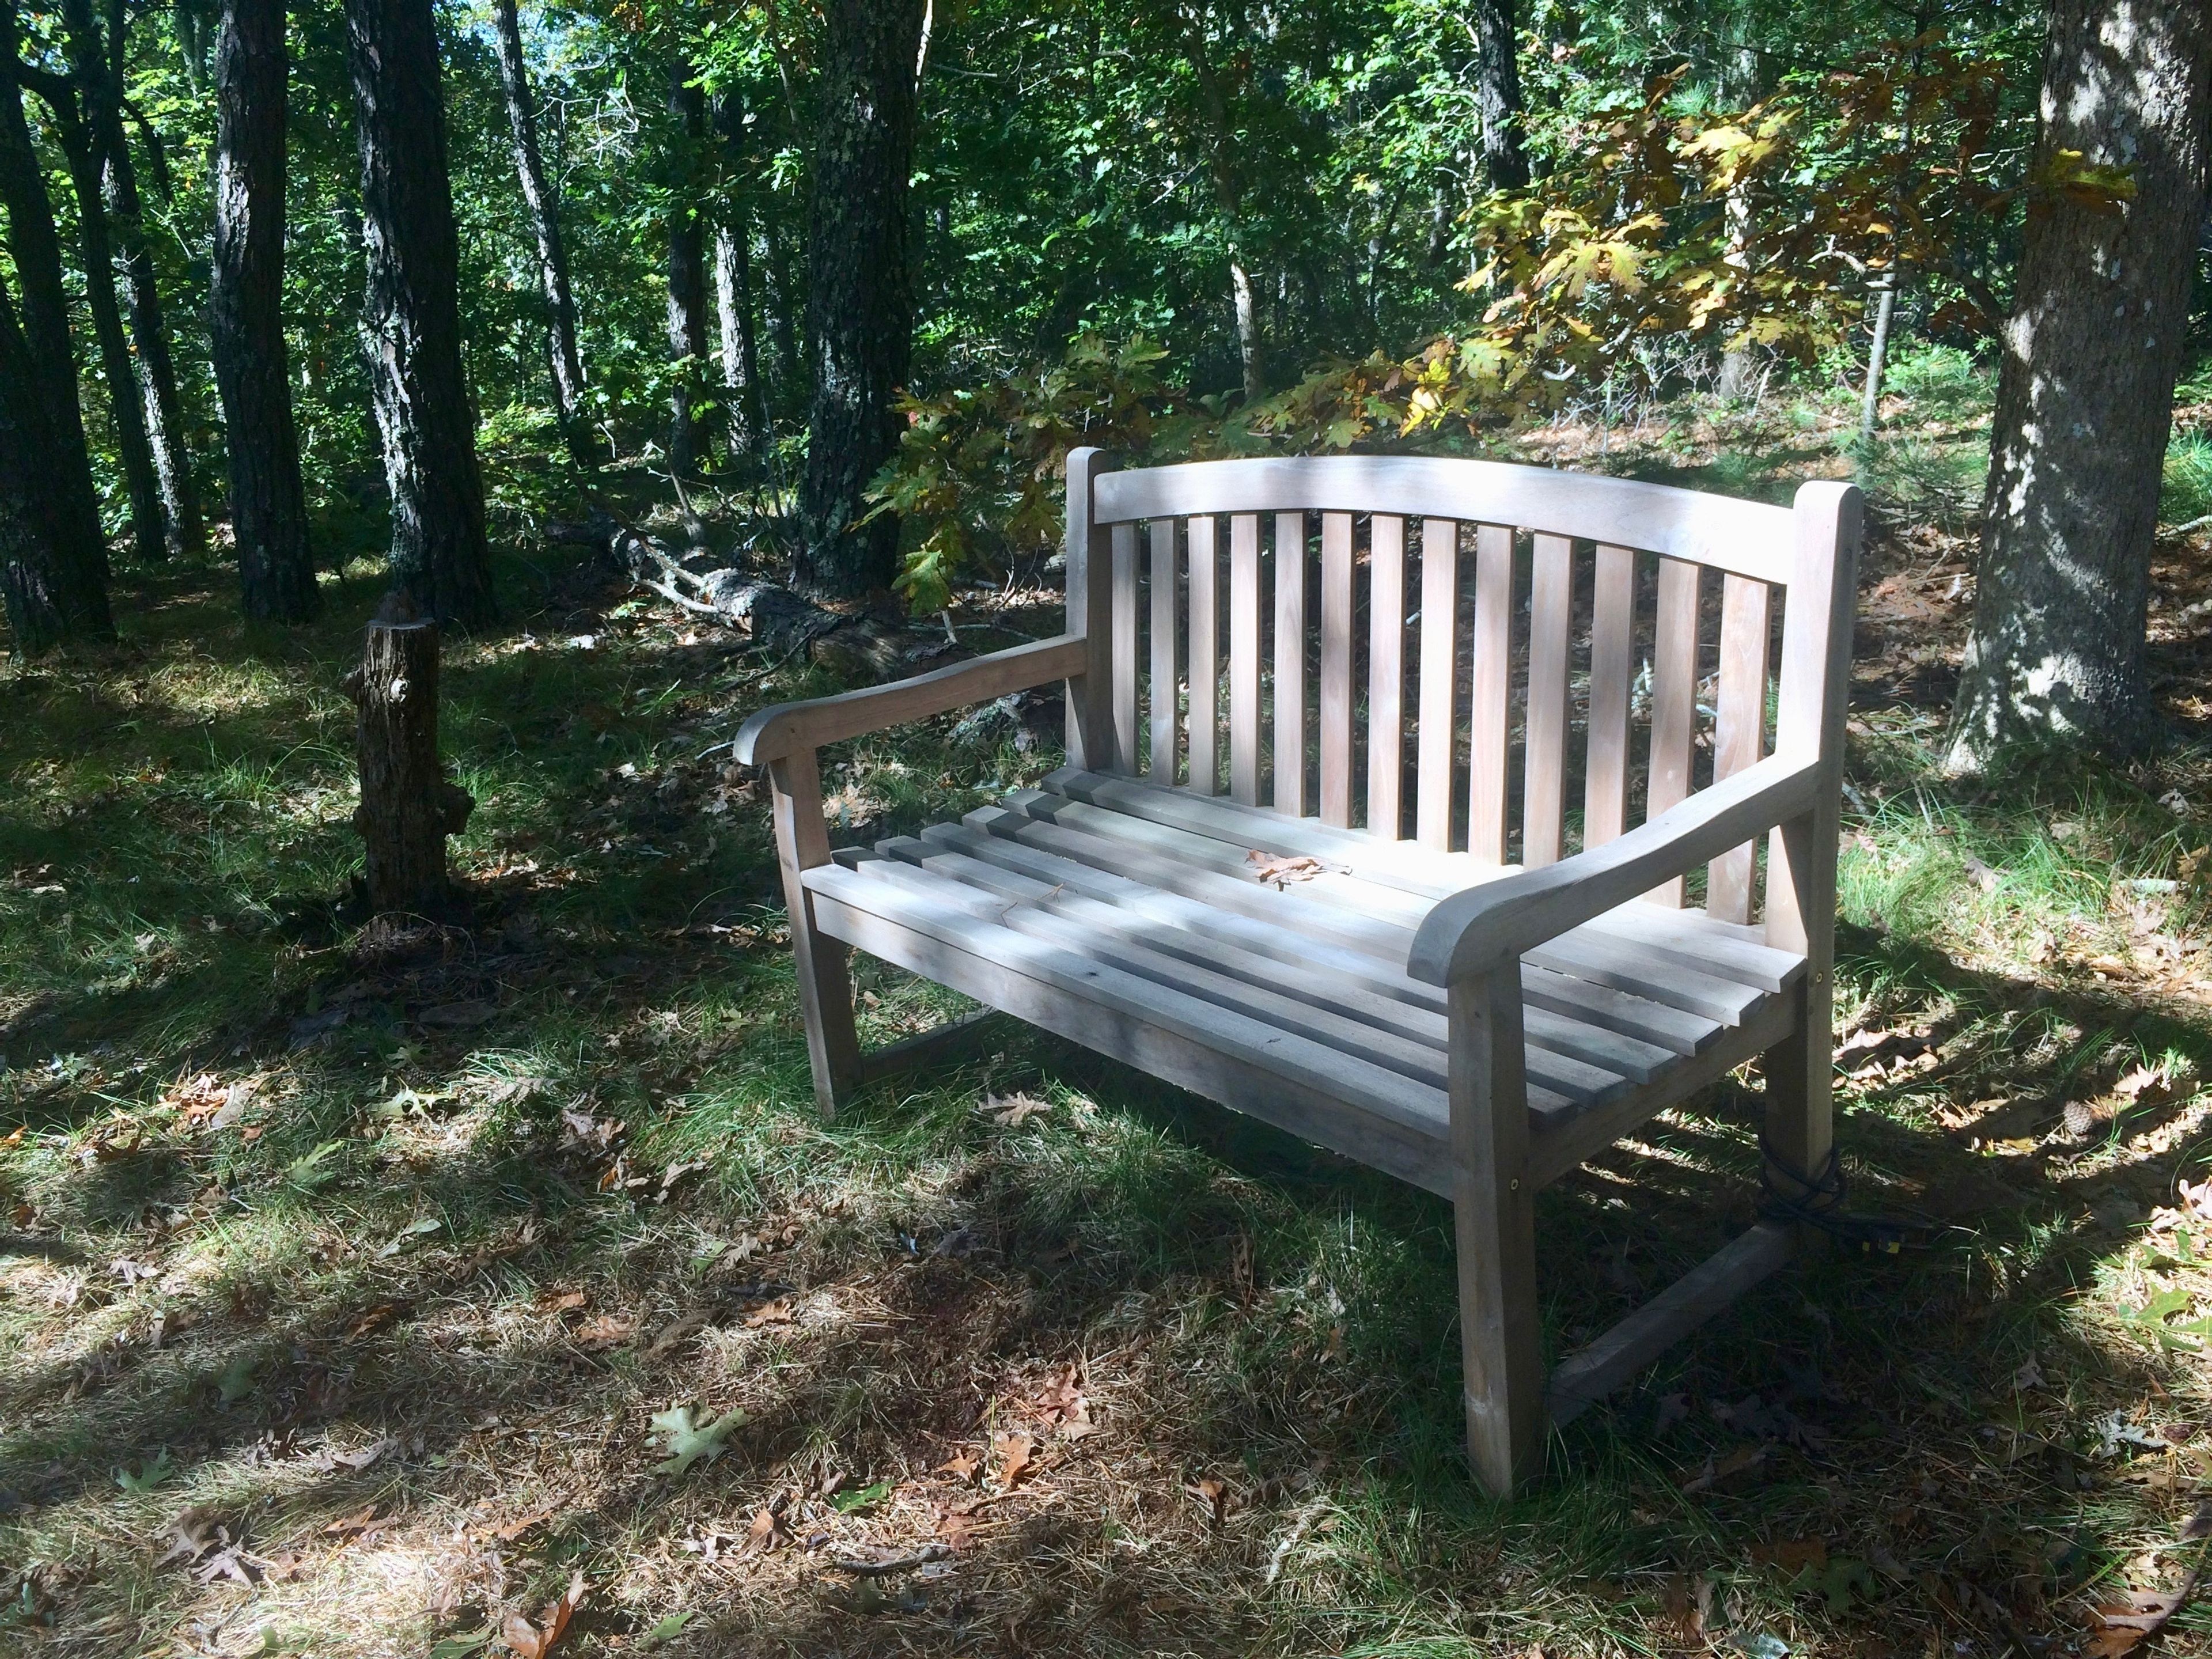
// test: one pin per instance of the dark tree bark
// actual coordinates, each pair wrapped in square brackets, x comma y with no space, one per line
[545,222]
[2085,392]
[439,553]
[96,65]
[53,587]
[95,252]
[268,505]
[34,245]
[408,805]
[860,315]
[1498,95]
[734,298]
[687,268]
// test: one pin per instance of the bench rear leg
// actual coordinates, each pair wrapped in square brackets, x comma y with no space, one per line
[1495,1228]
[825,985]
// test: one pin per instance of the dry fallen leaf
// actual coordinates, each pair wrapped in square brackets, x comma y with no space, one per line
[777,1312]
[1011,1111]
[1015,1452]
[1734,1463]
[962,1465]
[1280,870]
[1213,1497]
[555,1301]
[535,1641]
[603,1330]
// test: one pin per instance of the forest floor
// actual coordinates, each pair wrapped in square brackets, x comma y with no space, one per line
[371,1290]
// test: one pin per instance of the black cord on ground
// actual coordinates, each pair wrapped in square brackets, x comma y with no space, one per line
[1816,1200]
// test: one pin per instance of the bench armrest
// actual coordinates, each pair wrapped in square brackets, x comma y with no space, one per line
[1481,929]
[784,729]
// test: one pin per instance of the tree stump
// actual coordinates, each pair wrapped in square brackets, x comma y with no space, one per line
[408,805]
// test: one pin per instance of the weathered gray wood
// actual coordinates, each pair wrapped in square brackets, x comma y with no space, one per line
[775,732]
[1386,676]
[1585,1377]
[1090,600]
[1124,648]
[1565,1143]
[1290,701]
[1501,918]
[1287,906]
[1432,777]
[1800,861]
[1335,716]
[1164,693]
[1489,735]
[1738,730]
[1204,655]
[1544,750]
[1629,968]
[1674,700]
[826,990]
[1494,1226]
[1243,659]
[1587,1003]
[1334,888]
[1676,936]
[1409,1151]
[1745,537]
[1282,1054]
[1612,669]
[958,1037]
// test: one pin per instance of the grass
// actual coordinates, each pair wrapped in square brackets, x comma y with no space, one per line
[349,1267]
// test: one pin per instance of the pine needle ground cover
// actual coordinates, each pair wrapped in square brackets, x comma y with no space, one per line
[422,1288]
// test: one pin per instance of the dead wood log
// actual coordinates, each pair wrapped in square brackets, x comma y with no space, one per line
[408,805]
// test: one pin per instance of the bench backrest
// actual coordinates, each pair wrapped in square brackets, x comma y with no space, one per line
[1440,649]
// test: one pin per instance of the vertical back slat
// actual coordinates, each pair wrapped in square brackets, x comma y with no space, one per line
[1544,750]
[1674,699]
[1336,669]
[1290,663]
[1613,667]
[1125,648]
[1203,654]
[1739,728]
[1386,674]
[1164,692]
[1439,669]
[1244,658]
[1487,750]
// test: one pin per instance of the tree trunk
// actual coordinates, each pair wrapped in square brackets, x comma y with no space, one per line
[96,66]
[860,315]
[784,306]
[740,352]
[51,585]
[1228,197]
[268,505]
[1498,95]
[545,221]
[687,269]
[439,553]
[1877,354]
[1739,89]
[2085,392]
[149,534]
[34,245]
[408,807]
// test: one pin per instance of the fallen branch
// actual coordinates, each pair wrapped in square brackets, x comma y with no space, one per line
[883,1566]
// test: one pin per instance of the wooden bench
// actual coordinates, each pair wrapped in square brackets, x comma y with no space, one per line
[1361,920]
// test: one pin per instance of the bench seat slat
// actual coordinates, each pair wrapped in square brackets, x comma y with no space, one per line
[1612,1052]
[1688,936]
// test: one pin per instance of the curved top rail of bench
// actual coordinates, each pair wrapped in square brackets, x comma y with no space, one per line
[1748,538]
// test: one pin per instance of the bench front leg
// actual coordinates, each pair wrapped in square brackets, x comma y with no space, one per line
[825,987]
[1800,1070]
[1495,1229]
